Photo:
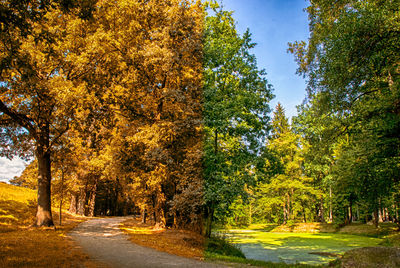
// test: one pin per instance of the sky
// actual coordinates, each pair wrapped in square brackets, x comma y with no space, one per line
[273,23]
[9,169]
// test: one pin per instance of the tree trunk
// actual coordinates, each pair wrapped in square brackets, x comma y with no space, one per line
[376,217]
[144,214]
[92,200]
[81,202]
[285,214]
[351,211]
[74,203]
[321,210]
[250,214]
[61,194]
[330,204]
[43,214]
[209,218]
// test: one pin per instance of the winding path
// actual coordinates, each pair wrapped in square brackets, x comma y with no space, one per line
[105,242]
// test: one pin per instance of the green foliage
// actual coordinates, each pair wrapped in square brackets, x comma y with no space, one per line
[351,113]
[287,195]
[236,97]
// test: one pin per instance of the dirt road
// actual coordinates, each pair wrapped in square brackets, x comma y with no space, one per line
[103,241]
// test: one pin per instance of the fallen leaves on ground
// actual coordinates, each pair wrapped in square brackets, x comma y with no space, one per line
[178,242]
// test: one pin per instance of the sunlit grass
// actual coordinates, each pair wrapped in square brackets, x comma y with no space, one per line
[307,248]
[24,246]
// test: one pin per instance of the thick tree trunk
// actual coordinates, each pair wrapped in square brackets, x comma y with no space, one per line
[81,202]
[43,214]
[92,200]
[74,203]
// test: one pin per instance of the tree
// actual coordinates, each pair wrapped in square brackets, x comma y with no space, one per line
[352,62]
[288,192]
[37,94]
[236,96]
[320,131]
[151,72]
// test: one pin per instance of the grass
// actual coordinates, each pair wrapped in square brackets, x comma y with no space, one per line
[370,257]
[311,248]
[306,248]
[23,246]
[219,250]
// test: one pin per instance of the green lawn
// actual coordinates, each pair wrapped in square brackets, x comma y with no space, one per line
[306,248]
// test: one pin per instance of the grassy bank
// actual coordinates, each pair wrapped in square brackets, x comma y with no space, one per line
[23,246]
[178,242]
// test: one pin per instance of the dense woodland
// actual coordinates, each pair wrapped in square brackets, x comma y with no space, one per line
[158,108]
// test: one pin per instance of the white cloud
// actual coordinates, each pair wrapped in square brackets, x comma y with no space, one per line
[11,168]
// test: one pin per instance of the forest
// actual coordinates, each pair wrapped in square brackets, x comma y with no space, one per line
[158,109]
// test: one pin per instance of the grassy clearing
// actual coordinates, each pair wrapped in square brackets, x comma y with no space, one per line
[22,246]
[306,248]
[219,250]
[178,242]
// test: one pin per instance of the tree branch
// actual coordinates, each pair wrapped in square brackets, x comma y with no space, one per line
[58,136]
[20,119]
[361,95]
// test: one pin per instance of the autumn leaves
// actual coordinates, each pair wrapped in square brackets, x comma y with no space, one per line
[133,106]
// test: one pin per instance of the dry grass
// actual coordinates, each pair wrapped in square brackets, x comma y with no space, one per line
[24,246]
[178,242]
[311,227]
[369,229]
[371,257]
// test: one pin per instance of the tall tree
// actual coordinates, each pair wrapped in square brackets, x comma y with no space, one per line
[37,96]
[289,192]
[236,97]
[352,62]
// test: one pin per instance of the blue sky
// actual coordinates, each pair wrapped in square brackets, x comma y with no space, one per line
[274,23]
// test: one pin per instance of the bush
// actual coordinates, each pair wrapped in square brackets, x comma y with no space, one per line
[220,246]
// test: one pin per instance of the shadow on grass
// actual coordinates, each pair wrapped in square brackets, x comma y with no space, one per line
[16,213]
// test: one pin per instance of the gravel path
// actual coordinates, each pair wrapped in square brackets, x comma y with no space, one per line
[103,241]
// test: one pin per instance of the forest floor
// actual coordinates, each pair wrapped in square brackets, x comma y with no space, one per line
[24,246]
[179,242]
